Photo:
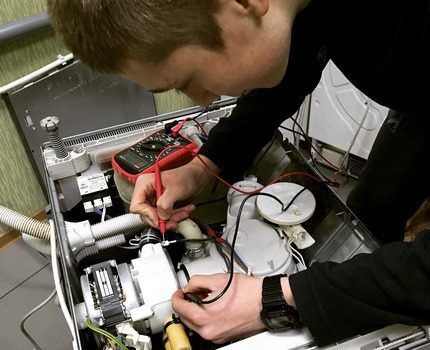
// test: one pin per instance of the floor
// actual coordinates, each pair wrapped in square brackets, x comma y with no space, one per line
[26,281]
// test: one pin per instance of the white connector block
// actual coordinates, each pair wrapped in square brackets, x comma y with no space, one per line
[301,238]
[107,201]
[98,203]
[88,206]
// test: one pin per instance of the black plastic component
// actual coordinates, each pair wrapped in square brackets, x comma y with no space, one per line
[168,126]
[108,295]
[193,298]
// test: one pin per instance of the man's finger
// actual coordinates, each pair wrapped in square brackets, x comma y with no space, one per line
[165,203]
[207,283]
[147,214]
[142,189]
[179,215]
[187,310]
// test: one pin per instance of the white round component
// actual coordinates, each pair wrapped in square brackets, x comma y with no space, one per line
[248,185]
[299,211]
[235,199]
[261,248]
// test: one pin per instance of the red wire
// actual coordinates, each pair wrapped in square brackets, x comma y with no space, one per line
[177,128]
[214,174]
[201,127]
[309,141]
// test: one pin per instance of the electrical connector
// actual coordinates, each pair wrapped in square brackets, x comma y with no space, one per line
[178,128]
[168,126]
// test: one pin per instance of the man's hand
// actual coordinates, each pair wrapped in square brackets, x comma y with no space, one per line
[235,315]
[179,184]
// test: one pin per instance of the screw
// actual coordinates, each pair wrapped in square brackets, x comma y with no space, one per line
[50,123]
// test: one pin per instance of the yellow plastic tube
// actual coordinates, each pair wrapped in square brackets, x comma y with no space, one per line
[177,337]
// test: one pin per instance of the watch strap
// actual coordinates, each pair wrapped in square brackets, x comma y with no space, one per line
[277,314]
[272,294]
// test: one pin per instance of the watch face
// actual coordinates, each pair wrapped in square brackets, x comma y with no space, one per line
[279,322]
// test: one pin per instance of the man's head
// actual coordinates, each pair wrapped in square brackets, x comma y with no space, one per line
[104,33]
[204,48]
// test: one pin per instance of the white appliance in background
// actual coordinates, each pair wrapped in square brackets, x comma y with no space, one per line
[338,110]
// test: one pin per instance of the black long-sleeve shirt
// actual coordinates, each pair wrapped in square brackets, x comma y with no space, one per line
[383,48]
[370,291]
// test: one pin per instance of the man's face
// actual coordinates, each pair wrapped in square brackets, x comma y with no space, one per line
[255,56]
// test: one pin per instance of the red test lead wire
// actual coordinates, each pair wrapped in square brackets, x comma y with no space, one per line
[159,193]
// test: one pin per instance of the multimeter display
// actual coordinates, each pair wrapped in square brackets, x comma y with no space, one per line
[140,157]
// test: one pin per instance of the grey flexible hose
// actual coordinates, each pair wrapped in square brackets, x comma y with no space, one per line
[38,244]
[117,225]
[100,245]
[107,234]
[25,224]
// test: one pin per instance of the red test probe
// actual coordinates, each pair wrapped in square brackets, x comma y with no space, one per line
[159,193]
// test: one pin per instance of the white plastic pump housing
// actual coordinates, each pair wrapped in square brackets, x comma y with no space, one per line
[155,279]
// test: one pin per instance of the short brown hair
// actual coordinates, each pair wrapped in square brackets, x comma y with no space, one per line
[104,33]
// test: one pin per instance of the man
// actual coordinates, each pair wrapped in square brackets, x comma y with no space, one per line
[272,52]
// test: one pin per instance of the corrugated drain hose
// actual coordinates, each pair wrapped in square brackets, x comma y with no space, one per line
[37,234]
[25,224]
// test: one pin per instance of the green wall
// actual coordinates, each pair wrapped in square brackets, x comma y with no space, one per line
[19,188]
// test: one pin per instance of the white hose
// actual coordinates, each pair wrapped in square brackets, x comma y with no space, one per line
[58,288]
[44,247]
[190,230]
[38,244]
[37,234]
[25,224]
[117,225]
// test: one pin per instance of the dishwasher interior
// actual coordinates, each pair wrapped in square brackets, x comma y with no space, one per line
[118,274]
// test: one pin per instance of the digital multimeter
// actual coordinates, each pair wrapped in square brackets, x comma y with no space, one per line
[140,158]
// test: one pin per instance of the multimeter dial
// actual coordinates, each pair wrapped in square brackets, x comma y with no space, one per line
[153,146]
[140,157]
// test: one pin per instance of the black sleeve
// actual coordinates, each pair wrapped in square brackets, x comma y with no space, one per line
[370,291]
[235,141]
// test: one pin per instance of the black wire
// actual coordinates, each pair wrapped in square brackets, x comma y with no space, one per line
[294,198]
[291,130]
[227,286]
[183,268]
[302,133]
[223,255]
[200,114]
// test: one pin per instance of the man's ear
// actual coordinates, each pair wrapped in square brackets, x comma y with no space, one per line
[256,7]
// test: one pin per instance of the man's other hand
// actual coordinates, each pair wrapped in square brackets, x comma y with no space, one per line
[235,315]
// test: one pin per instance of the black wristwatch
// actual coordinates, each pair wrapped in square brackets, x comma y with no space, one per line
[277,315]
